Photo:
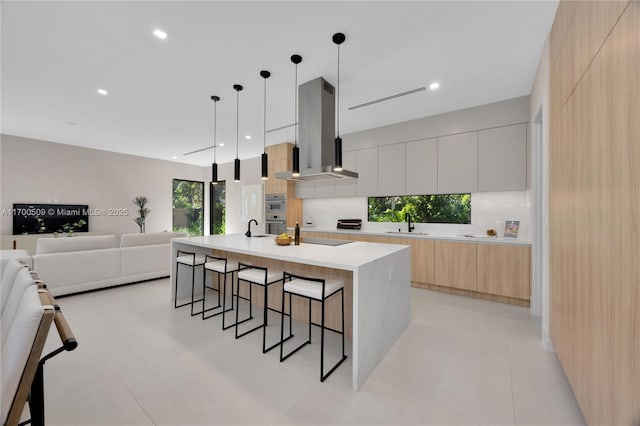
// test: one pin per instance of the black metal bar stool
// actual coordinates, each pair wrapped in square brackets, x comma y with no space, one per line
[312,289]
[193,260]
[219,266]
[259,276]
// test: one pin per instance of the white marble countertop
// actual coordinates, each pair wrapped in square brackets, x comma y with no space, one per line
[483,239]
[347,257]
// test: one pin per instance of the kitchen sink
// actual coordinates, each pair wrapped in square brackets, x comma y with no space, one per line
[259,236]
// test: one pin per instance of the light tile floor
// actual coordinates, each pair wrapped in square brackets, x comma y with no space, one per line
[461,361]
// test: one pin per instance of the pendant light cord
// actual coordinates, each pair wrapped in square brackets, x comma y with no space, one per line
[237,120]
[338,97]
[264,126]
[215,128]
[295,113]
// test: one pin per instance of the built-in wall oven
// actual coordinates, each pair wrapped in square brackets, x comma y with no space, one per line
[275,214]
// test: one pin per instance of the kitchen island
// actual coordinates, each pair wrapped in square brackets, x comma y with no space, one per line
[377,285]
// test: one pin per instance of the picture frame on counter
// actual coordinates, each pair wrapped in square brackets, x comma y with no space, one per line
[511,228]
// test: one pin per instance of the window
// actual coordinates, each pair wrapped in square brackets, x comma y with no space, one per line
[217,208]
[442,208]
[188,214]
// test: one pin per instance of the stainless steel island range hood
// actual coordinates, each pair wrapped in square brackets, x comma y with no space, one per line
[316,135]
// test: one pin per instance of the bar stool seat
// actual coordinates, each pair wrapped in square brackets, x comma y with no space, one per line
[198,260]
[220,266]
[192,260]
[264,277]
[311,289]
[318,289]
[257,276]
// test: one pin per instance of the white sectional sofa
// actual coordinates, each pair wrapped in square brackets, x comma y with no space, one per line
[75,264]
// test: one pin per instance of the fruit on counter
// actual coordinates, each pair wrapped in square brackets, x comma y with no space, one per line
[284,236]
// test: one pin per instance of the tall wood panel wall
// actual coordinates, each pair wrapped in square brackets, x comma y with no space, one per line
[595,205]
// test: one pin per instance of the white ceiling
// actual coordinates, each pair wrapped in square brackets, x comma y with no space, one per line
[55,55]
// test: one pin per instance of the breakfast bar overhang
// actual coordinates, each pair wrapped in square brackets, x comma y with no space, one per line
[378,280]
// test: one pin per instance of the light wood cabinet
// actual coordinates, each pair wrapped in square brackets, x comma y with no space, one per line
[496,272]
[504,270]
[421,174]
[391,170]
[280,160]
[502,158]
[455,265]
[458,163]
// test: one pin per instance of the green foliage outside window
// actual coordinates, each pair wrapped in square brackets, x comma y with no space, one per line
[188,212]
[441,208]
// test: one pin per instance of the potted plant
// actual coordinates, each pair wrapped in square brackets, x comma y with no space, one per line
[141,201]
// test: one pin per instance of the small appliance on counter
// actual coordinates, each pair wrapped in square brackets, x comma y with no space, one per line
[349,224]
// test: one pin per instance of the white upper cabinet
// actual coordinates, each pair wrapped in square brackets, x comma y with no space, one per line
[347,187]
[502,158]
[421,159]
[391,170]
[367,168]
[458,163]
[305,189]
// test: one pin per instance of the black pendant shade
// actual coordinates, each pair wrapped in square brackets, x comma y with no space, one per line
[265,159]
[236,170]
[296,59]
[338,154]
[214,165]
[214,173]
[296,161]
[338,39]
[236,162]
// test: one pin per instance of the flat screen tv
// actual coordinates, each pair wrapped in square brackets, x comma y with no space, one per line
[50,218]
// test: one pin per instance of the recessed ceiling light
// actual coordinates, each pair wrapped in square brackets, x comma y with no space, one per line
[221,144]
[160,34]
[247,137]
[103,92]
[174,157]
[433,86]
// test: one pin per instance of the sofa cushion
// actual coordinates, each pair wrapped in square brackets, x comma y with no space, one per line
[144,260]
[135,240]
[66,269]
[59,245]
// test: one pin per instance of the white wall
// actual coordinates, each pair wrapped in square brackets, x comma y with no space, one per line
[486,209]
[540,189]
[35,171]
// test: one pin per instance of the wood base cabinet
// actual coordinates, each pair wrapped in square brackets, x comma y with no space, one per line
[455,265]
[504,270]
[497,272]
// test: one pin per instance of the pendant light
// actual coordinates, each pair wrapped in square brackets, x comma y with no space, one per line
[214,165]
[265,159]
[338,38]
[236,162]
[296,59]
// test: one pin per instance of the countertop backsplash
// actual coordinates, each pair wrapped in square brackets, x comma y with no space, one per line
[488,209]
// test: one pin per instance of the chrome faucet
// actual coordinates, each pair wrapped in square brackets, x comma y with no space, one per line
[248,233]
[407,218]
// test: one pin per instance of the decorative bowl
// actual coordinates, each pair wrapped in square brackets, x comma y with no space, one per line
[283,241]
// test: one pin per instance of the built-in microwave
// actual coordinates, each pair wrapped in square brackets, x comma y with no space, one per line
[275,204]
